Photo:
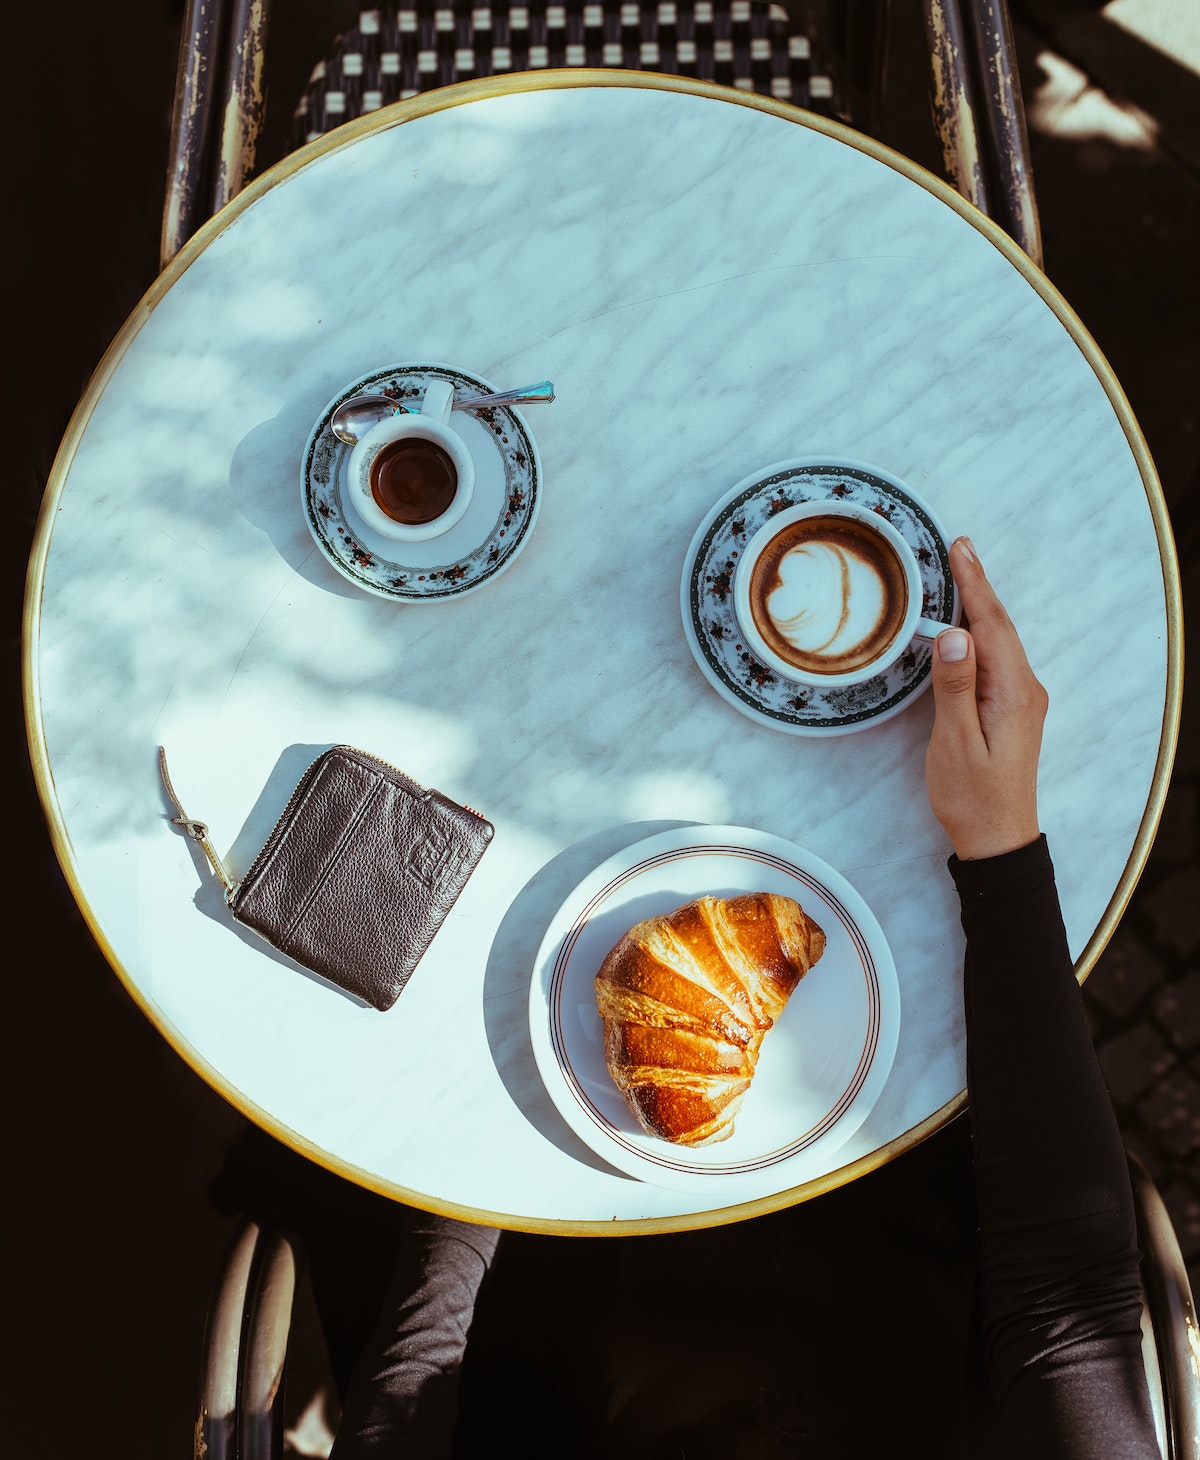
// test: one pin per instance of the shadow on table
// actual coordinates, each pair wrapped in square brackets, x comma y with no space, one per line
[516,945]
[256,828]
[265,489]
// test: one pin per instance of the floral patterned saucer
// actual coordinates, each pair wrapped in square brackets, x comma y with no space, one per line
[497,525]
[706,596]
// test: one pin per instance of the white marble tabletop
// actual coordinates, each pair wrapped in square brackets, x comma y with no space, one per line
[714,283]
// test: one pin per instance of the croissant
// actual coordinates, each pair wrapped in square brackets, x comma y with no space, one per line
[686,1000]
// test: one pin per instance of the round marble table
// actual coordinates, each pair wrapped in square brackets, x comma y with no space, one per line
[715,283]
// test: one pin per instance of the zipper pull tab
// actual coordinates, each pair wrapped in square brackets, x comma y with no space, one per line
[197,830]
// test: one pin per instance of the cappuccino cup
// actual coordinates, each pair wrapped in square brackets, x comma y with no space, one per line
[829,593]
[411,477]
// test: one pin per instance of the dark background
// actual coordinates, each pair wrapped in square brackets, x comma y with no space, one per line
[111,1237]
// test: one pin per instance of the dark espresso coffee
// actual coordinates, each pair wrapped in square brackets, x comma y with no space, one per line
[828,595]
[413,480]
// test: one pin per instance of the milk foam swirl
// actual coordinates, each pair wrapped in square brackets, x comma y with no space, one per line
[829,601]
[826,593]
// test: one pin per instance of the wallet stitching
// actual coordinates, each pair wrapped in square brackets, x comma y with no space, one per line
[346,755]
[331,861]
[287,817]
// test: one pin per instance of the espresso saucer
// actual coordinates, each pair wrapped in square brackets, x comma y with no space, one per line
[706,596]
[494,529]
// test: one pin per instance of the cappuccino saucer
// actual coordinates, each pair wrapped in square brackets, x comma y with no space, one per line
[706,596]
[494,529]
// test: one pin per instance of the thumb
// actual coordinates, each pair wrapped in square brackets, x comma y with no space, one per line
[954,675]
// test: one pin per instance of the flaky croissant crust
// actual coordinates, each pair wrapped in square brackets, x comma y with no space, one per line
[686,1000]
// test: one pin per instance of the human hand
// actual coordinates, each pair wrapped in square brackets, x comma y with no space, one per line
[982,759]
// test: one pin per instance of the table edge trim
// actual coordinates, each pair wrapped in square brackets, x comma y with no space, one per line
[463,93]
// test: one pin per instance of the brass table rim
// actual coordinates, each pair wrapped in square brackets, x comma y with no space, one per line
[460,94]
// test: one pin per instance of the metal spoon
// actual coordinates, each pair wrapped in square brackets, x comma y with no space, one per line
[355,417]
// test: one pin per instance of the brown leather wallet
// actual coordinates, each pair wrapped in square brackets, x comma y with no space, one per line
[359,873]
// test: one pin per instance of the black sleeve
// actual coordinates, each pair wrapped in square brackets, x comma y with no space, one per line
[1059,1263]
[402,1398]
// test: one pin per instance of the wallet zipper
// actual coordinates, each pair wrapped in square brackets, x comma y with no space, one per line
[198,830]
[380,761]
[301,786]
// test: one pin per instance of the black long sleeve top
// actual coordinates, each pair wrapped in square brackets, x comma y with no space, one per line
[1059,1263]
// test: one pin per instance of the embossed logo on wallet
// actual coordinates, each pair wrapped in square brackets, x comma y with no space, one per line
[428,858]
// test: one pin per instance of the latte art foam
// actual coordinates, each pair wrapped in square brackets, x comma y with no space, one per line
[828,595]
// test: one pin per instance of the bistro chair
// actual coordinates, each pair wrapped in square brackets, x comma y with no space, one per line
[241,1413]
[826,56]
[395,52]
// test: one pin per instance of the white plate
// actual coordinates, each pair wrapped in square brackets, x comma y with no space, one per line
[496,526]
[706,596]
[822,1066]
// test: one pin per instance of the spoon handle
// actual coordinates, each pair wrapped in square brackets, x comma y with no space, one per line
[526,395]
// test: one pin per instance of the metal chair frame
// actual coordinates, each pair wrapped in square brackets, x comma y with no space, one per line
[240,1415]
[220,103]
[1171,1336]
[974,75]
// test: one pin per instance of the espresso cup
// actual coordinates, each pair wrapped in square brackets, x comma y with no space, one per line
[829,593]
[411,477]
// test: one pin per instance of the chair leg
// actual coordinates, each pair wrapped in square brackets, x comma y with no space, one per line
[979,114]
[215,1434]
[264,1348]
[955,100]
[185,205]
[243,100]
[1011,173]
[1172,1315]
[220,99]
[240,1414]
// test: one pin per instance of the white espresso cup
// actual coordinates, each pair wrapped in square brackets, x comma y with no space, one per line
[411,477]
[829,593]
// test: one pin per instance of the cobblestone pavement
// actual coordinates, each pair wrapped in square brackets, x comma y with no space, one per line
[1143,1001]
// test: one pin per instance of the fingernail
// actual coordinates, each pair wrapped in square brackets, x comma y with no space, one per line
[953,646]
[968,548]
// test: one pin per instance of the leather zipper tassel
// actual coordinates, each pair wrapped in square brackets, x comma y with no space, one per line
[197,830]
